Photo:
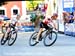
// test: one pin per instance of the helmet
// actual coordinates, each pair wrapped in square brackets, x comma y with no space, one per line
[55,14]
[49,17]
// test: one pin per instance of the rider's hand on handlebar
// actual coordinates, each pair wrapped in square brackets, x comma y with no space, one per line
[56,29]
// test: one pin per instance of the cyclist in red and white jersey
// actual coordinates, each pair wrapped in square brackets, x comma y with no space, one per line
[45,24]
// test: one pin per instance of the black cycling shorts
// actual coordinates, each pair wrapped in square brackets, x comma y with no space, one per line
[42,25]
[12,26]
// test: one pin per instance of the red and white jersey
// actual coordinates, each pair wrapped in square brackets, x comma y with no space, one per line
[47,21]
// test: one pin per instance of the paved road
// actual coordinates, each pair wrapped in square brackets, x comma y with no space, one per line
[64,46]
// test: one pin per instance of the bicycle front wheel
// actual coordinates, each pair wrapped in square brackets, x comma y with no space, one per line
[12,37]
[4,39]
[32,39]
[50,38]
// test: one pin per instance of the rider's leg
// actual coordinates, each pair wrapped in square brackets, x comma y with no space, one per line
[40,31]
[8,29]
[38,35]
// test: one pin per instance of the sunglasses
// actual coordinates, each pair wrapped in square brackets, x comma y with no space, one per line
[48,18]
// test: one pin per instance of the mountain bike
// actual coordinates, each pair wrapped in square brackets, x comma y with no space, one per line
[49,37]
[11,36]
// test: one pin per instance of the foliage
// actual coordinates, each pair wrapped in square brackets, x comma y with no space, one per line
[34,17]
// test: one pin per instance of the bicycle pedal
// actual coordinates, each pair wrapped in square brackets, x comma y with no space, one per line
[34,38]
[37,42]
[40,39]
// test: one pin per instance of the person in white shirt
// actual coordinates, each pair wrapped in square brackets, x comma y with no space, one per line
[13,23]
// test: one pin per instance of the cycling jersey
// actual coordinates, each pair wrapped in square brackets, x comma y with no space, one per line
[13,19]
[13,22]
[47,21]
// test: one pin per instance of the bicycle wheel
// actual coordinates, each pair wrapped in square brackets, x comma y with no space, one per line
[12,37]
[32,39]
[3,29]
[4,39]
[50,38]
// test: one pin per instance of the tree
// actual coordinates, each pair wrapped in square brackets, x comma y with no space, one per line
[32,5]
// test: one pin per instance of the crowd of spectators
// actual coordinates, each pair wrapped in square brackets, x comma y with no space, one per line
[68,17]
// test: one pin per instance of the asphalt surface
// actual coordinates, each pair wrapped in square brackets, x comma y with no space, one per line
[64,46]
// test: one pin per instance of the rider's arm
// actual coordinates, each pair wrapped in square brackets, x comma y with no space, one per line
[45,21]
[55,25]
[18,23]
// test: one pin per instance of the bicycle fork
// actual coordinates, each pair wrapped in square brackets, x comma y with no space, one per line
[50,34]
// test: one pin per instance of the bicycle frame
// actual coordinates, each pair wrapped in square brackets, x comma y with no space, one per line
[45,32]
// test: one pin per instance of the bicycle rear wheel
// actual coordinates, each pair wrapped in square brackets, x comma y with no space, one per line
[4,39]
[12,37]
[32,39]
[50,38]
[3,29]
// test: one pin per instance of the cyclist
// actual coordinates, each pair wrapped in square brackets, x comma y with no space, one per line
[13,22]
[45,24]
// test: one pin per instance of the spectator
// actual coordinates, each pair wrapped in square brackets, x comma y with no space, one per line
[74,16]
[71,20]
[65,17]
